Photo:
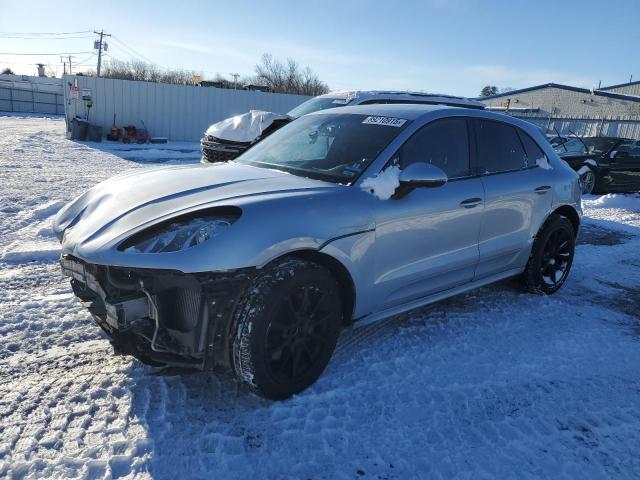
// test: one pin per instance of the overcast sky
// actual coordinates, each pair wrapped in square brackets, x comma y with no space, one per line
[449,46]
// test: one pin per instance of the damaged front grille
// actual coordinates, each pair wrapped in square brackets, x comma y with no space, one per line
[161,316]
[216,150]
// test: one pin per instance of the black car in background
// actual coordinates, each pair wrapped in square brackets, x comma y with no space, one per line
[605,164]
[557,140]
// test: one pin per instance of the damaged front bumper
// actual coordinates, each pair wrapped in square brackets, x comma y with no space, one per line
[162,317]
[215,150]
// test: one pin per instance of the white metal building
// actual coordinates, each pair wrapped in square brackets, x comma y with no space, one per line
[607,111]
[630,88]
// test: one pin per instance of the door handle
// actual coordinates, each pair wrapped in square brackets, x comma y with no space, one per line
[471,202]
[543,189]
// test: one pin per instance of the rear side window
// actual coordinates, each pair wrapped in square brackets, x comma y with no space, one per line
[535,155]
[499,148]
[443,143]
[630,148]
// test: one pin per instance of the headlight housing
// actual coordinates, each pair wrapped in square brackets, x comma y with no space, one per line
[181,233]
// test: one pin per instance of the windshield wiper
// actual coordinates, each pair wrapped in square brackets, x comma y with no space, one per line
[586,149]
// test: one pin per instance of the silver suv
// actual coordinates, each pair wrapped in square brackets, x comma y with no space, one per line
[225,140]
[346,215]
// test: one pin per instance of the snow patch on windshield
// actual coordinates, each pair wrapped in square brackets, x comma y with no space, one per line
[384,184]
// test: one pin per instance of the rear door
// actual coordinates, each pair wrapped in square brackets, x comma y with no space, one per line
[518,195]
[624,167]
[427,241]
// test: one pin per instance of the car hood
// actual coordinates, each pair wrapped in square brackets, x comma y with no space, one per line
[244,128]
[123,205]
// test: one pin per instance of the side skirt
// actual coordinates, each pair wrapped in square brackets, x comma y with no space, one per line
[421,302]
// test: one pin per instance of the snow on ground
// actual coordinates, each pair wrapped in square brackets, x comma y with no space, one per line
[491,384]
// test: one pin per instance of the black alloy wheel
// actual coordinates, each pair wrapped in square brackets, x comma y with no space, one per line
[556,258]
[551,256]
[297,333]
[286,327]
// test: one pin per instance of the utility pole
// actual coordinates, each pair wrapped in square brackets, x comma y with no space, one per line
[100,45]
[235,79]
[64,66]
[70,72]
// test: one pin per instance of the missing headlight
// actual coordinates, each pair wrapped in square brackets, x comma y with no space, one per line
[182,232]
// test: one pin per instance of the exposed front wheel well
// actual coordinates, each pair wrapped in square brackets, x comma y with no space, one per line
[341,274]
[570,213]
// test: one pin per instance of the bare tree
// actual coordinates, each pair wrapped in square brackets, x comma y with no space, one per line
[146,72]
[288,77]
[7,71]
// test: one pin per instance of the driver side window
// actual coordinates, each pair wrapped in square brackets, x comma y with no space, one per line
[443,143]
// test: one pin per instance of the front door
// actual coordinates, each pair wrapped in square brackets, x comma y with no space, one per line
[427,241]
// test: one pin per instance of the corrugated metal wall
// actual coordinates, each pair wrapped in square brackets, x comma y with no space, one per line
[567,110]
[175,111]
[621,126]
[558,102]
[30,101]
[627,89]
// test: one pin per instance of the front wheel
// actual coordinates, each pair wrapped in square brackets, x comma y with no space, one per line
[588,182]
[551,256]
[286,328]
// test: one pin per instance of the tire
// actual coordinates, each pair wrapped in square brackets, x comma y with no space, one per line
[551,256]
[286,328]
[588,182]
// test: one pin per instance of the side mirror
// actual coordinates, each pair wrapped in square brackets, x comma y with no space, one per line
[419,175]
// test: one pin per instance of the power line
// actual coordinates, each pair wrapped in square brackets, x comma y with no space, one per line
[85,61]
[45,33]
[10,37]
[135,53]
[59,53]
[18,63]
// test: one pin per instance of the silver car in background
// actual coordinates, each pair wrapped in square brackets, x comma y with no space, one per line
[225,140]
[346,215]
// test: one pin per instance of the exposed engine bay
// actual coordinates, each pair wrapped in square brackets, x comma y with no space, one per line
[162,317]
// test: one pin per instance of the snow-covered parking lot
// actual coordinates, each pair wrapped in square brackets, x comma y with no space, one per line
[491,384]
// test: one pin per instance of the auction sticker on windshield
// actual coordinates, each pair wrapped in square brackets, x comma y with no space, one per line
[387,121]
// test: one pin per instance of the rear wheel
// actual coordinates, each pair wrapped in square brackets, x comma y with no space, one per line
[551,256]
[287,326]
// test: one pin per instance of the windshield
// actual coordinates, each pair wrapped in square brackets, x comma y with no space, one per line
[556,141]
[330,147]
[595,146]
[318,103]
